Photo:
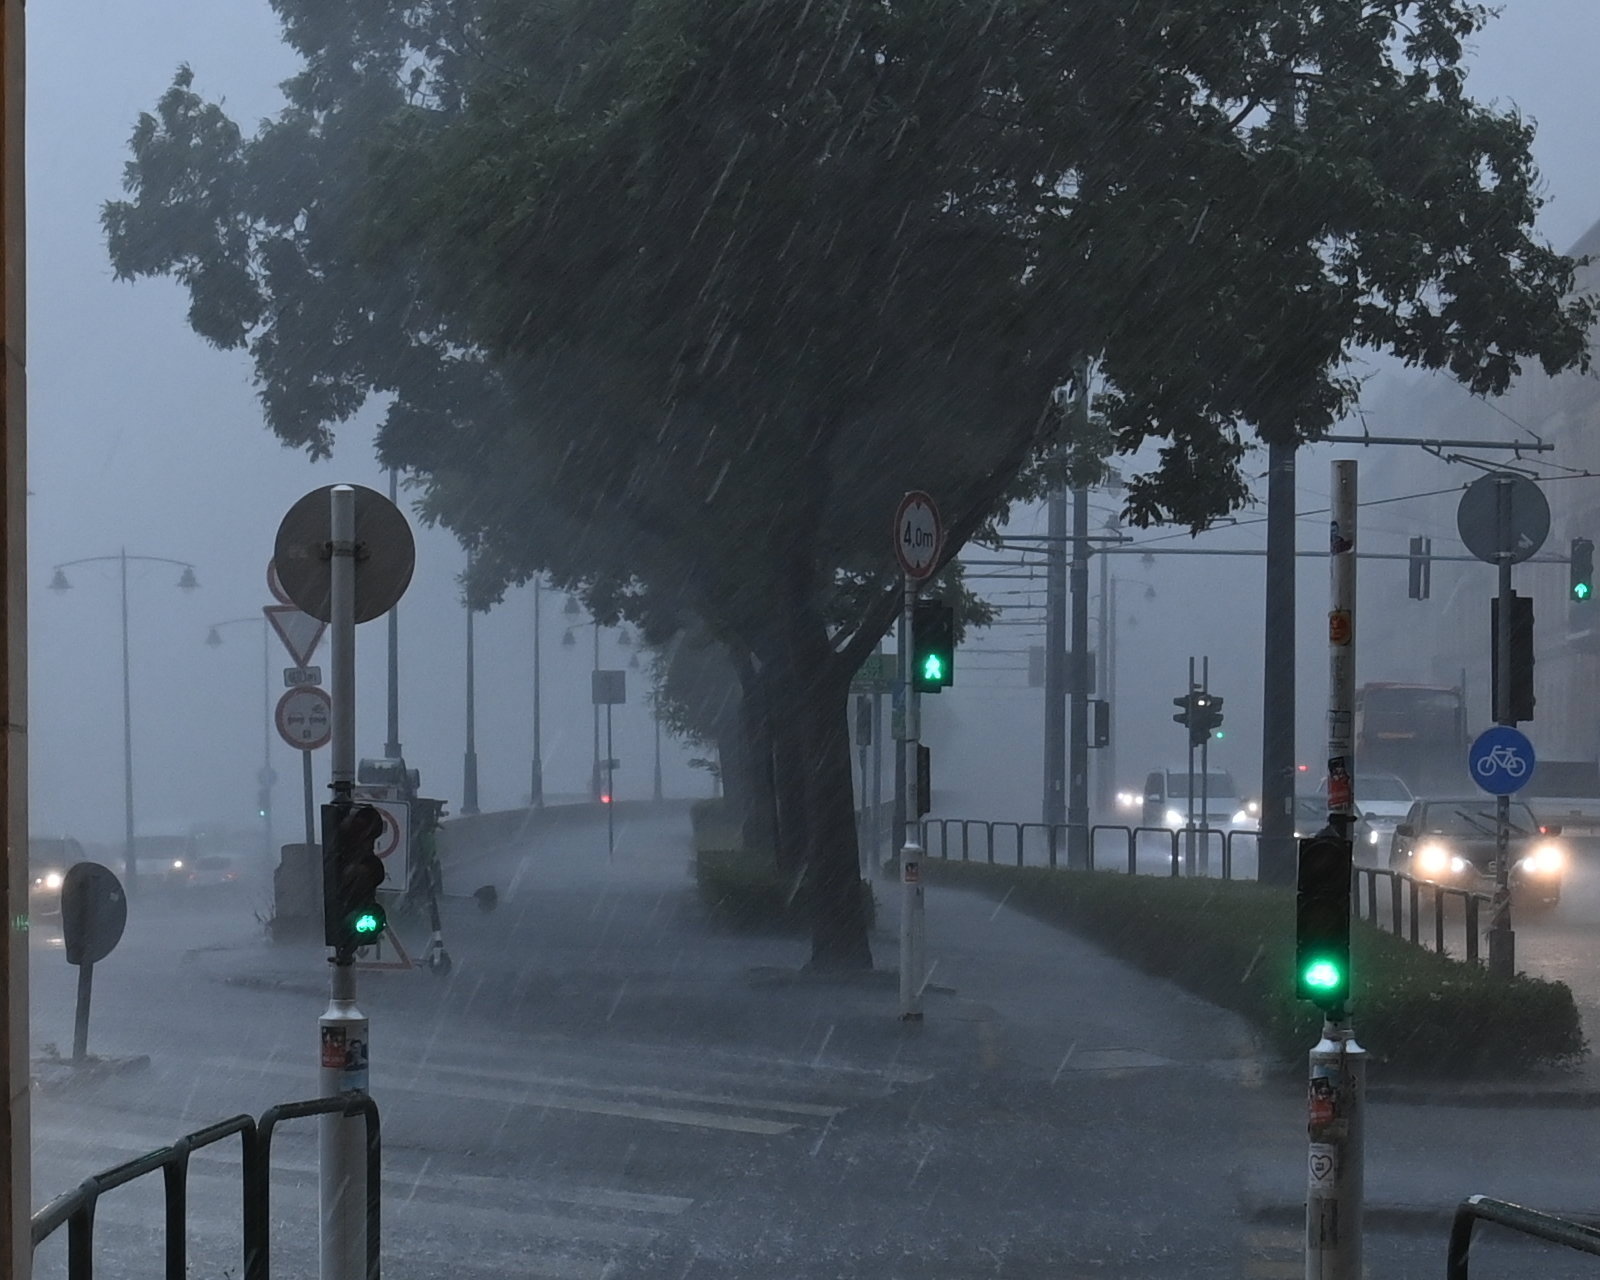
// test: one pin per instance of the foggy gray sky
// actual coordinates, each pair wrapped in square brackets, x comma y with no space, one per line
[140,435]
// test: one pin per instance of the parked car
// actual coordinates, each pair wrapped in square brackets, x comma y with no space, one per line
[1455,842]
[1166,801]
[48,860]
[208,871]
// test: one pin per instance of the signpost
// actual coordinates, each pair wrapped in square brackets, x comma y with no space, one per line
[918,538]
[344,554]
[608,689]
[94,911]
[1503,518]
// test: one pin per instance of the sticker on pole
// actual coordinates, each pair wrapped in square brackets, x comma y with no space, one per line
[1501,760]
[917,535]
[305,717]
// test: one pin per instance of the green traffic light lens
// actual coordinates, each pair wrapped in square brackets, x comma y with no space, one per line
[933,667]
[1324,975]
[1581,590]
[368,923]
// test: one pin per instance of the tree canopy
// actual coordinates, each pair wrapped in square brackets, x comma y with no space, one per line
[675,297]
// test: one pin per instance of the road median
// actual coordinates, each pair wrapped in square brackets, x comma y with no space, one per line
[1232,943]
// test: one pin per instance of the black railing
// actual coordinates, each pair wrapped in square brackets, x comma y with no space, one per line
[975,839]
[1400,906]
[1530,1222]
[76,1208]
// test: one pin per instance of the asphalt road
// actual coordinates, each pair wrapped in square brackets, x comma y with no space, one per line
[605,1088]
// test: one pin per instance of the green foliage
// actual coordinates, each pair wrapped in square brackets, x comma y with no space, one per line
[1233,944]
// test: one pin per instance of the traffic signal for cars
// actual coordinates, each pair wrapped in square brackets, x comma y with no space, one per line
[1582,564]
[1322,921]
[1419,579]
[933,646]
[1205,718]
[351,873]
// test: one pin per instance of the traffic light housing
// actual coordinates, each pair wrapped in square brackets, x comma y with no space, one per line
[1205,717]
[933,646]
[1185,707]
[351,873]
[1581,589]
[924,779]
[1322,921]
[1522,700]
[1419,580]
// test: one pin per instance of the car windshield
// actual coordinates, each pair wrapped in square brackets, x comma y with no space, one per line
[805,483]
[1383,789]
[1473,818]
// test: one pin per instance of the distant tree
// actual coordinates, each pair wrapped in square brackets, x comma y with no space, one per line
[676,297]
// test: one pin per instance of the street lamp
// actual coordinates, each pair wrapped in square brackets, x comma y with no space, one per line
[186,582]
[536,792]
[267,776]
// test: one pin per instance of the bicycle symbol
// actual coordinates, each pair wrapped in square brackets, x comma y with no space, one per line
[1498,758]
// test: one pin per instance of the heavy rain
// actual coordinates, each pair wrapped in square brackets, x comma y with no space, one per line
[719,639]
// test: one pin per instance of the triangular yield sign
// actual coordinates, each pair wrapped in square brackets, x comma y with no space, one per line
[299,631]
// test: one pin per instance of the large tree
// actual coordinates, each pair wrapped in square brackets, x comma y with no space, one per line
[675,297]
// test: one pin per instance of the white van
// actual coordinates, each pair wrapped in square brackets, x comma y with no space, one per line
[1166,801]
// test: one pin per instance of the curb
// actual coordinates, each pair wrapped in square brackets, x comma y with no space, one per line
[1391,1215]
[1485,1099]
[57,1076]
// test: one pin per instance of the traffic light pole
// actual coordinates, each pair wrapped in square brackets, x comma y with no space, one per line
[1205,775]
[912,941]
[1188,826]
[342,1030]
[1502,939]
[1335,1091]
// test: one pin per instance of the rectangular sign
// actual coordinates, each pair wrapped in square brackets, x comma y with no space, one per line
[294,677]
[876,674]
[609,688]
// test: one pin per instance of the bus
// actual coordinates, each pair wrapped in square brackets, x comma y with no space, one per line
[1418,732]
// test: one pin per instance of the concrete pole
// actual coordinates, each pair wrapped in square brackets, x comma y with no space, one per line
[1276,855]
[1078,683]
[1054,811]
[266,737]
[536,794]
[16,1253]
[130,865]
[1502,938]
[342,1031]
[912,942]
[469,759]
[391,748]
[1335,1166]
[1105,779]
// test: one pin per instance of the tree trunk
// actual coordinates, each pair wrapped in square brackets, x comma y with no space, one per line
[809,696]
[759,820]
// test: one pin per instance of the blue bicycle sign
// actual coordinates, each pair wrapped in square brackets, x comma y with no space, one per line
[1501,760]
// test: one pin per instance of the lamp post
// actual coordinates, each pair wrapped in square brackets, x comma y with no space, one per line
[268,775]
[186,582]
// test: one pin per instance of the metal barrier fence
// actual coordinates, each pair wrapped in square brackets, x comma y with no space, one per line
[76,1208]
[1404,912]
[1044,844]
[1530,1222]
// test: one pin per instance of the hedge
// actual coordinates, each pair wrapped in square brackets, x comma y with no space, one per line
[1232,943]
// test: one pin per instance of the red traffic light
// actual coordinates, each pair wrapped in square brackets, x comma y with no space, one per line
[605,797]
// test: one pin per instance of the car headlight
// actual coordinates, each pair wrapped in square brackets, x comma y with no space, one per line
[1372,836]
[1253,807]
[52,880]
[1546,860]
[177,864]
[1433,859]
[1174,818]
[1458,864]
[1127,800]
[1241,818]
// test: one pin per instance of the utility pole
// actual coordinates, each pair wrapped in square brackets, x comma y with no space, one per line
[536,793]
[469,761]
[1055,666]
[16,1250]
[1105,776]
[1078,756]
[1502,939]
[1276,851]
[391,748]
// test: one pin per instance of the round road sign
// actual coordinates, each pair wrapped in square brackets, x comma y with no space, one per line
[1501,760]
[94,911]
[305,717]
[389,838]
[1527,523]
[385,554]
[276,587]
[917,534]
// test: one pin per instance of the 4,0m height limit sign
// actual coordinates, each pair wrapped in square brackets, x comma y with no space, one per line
[917,535]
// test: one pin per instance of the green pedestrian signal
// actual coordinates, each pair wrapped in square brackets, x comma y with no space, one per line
[1322,921]
[1582,567]
[933,646]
